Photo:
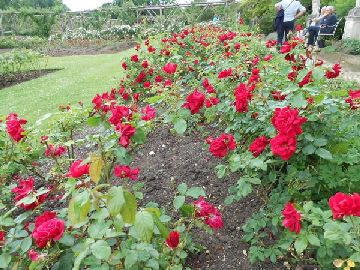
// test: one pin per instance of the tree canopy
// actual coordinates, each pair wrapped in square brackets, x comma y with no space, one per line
[37,4]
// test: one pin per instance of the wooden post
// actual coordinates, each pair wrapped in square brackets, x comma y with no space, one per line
[1,24]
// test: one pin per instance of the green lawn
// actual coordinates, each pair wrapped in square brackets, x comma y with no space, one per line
[79,80]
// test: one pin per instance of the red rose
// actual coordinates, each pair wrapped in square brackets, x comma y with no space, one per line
[145,64]
[126,131]
[283,145]
[48,231]
[270,43]
[148,113]
[211,102]
[292,218]
[14,127]
[277,95]
[33,255]
[286,48]
[167,83]
[23,190]
[287,121]
[292,76]
[343,205]
[354,99]
[225,73]
[194,101]
[335,72]
[170,68]
[140,77]
[268,57]
[77,170]
[214,219]
[147,85]
[124,65]
[242,97]
[52,151]
[2,236]
[258,145]
[307,79]
[135,58]
[220,146]
[126,172]
[120,113]
[298,27]
[173,239]
[158,79]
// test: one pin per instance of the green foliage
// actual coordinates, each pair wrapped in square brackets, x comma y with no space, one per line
[349,46]
[18,60]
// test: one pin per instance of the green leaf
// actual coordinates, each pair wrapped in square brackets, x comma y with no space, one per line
[179,201]
[320,142]
[79,207]
[4,260]
[94,121]
[144,225]
[182,188]
[139,136]
[26,244]
[299,101]
[67,240]
[128,210]
[187,210]
[153,264]
[252,180]
[323,153]
[309,149]
[80,256]
[180,126]
[355,257]
[66,261]
[313,240]
[195,192]
[220,170]
[161,227]
[101,250]
[300,244]
[115,200]
[130,259]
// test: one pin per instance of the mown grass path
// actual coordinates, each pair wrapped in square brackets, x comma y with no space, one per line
[81,77]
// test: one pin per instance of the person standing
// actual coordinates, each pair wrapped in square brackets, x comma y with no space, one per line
[292,10]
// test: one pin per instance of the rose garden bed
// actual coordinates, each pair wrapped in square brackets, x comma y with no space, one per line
[279,130]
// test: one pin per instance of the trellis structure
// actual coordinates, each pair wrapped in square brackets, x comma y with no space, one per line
[71,20]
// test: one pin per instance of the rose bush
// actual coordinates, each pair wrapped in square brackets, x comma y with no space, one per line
[202,76]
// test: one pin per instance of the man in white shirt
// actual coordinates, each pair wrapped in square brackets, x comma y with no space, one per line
[292,10]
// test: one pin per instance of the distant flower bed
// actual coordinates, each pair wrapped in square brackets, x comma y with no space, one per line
[114,32]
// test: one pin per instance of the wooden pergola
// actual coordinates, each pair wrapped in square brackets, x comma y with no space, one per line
[69,17]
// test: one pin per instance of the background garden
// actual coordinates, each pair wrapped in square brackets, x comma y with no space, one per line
[142,138]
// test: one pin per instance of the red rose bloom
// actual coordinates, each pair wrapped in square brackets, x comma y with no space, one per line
[268,57]
[270,43]
[286,48]
[214,219]
[14,127]
[242,97]
[135,58]
[170,68]
[292,218]
[120,113]
[225,73]
[173,239]
[292,75]
[343,205]
[354,99]
[25,188]
[48,231]
[211,102]
[126,131]
[220,146]
[2,236]
[283,145]
[145,64]
[258,145]
[158,79]
[140,77]
[77,170]
[287,121]
[147,85]
[33,255]
[307,79]
[194,101]
[52,151]
[335,72]
[148,113]
[124,65]
[126,172]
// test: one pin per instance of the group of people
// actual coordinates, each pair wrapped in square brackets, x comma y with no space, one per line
[290,10]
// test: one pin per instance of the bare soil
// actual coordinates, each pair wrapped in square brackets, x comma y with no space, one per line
[10,79]
[167,160]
